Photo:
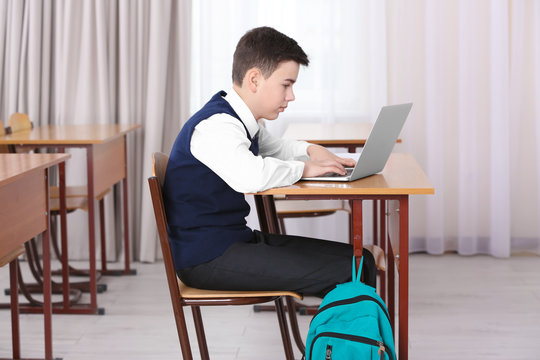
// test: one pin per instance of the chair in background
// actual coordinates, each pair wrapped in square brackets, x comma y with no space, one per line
[3,148]
[182,295]
[286,209]
[19,122]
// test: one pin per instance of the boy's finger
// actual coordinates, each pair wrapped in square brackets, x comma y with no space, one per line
[347,161]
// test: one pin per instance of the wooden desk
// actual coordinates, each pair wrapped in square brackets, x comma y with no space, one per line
[350,136]
[347,135]
[401,178]
[24,215]
[106,162]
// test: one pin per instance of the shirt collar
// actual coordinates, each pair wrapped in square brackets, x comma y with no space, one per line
[240,107]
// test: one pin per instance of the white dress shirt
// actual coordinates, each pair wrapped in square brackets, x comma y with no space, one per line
[220,142]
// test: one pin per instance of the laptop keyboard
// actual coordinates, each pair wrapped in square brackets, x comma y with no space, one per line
[349,172]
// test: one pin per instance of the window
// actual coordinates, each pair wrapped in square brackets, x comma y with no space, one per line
[345,41]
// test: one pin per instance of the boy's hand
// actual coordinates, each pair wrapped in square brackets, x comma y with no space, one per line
[322,161]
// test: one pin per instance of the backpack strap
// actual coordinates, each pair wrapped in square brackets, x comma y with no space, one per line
[355,276]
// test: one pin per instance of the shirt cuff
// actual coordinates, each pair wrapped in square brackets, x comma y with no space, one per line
[301,151]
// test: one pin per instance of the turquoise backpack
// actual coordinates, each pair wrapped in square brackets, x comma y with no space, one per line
[351,323]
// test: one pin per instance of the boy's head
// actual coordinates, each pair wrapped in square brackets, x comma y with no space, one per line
[265,67]
[264,48]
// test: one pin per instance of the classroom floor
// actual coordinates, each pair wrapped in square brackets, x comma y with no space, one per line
[460,308]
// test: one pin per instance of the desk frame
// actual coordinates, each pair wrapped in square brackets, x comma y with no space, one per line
[28,181]
[92,307]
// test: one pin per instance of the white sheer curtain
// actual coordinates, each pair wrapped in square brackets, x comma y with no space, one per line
[345,81]
[472,70]
[79,62]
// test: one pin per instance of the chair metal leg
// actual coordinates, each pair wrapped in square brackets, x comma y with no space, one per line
[291,309]
[181,329]
[201,337]
[287,347]
[281,224]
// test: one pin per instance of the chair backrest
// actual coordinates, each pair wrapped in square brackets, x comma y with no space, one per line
[19,122]
[3,148]
[159,165]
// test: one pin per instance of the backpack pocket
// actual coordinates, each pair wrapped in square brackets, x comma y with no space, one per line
[338,346]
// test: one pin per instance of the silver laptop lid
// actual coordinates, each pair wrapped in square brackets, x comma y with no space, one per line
[379,144]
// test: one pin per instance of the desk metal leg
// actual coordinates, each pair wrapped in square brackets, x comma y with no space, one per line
[47,301]
[382,244]
[15,329]
[91,226]
[127,252]
[391,288]
[403,277]
[63,232]
[357,230]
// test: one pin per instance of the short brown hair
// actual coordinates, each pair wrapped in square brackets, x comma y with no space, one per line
[264,48]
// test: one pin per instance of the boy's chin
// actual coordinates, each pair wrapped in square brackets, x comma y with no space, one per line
[271,117]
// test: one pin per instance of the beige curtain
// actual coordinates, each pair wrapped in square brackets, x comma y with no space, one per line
[102,61]
[472,69]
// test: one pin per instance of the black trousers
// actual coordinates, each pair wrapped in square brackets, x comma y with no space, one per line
[275,262]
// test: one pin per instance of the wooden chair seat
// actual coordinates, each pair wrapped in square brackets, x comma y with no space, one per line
[72,204]
[307,207]
[194,293]
[75,191]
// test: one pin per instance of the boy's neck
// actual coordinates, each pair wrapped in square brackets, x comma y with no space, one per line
[246,96]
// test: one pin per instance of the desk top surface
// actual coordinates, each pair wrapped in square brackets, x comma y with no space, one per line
[401,176]
[13,166]
[346,133]
[86,134]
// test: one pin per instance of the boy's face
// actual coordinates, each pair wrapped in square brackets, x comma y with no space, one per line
[275,92]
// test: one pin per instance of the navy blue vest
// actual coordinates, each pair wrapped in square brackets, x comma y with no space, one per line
[205,215]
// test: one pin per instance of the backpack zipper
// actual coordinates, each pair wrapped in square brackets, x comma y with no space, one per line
[360,339]
[352,301]
[328,352]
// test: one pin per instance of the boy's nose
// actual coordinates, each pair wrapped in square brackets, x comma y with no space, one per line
[290,96]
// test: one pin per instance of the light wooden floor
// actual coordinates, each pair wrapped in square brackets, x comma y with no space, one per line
[460,308]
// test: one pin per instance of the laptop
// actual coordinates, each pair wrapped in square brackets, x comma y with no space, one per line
[378,147]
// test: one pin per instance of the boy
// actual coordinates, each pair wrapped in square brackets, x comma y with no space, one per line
[222,153]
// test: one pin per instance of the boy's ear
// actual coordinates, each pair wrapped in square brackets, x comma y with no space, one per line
[253,79]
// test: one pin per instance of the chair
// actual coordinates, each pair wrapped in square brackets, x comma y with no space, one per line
[3,148]
[307,208]
[19,122]
[183,295]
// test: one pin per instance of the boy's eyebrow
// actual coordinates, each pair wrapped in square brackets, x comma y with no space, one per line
[291,80]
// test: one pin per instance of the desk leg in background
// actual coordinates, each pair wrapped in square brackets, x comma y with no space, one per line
[63,232]
[14,292]
[127,270]
[47,302]
[91,229]
[382,244]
